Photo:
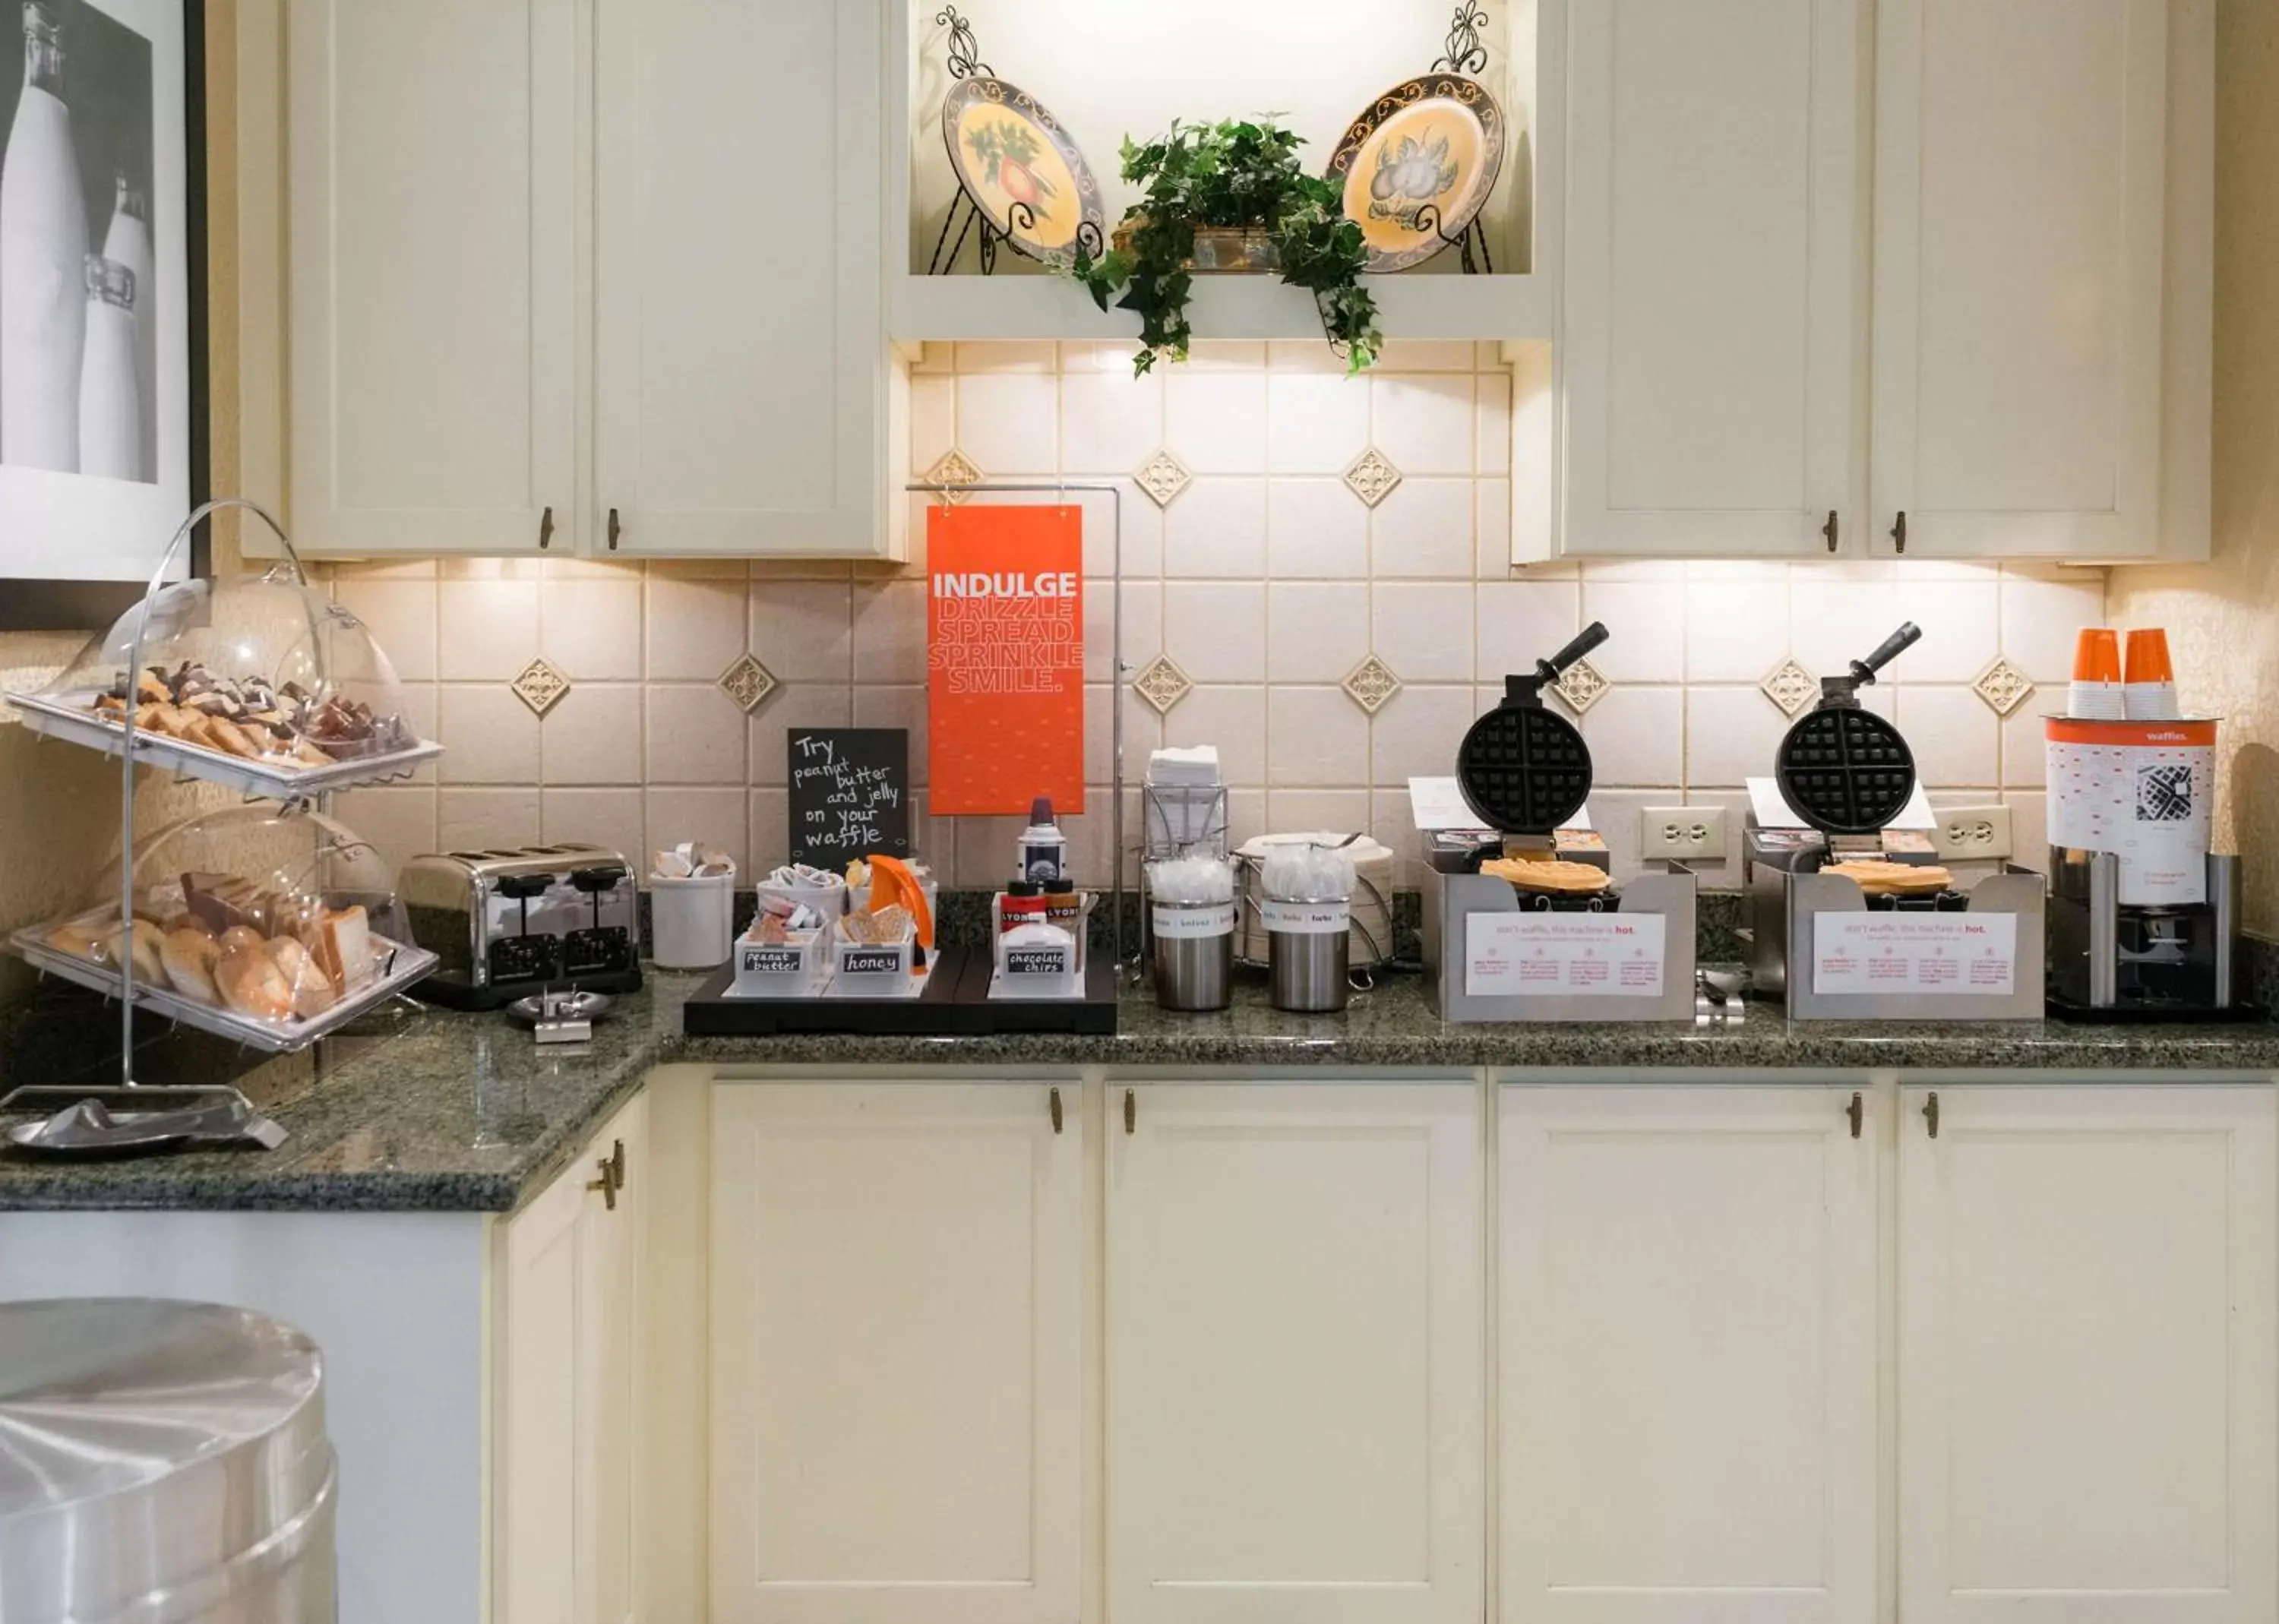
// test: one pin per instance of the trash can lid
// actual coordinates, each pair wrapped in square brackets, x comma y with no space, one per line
[155,1457]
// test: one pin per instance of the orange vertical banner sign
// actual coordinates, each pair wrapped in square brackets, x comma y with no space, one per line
[1004,659]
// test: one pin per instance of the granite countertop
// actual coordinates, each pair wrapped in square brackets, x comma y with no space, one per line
[426,1110]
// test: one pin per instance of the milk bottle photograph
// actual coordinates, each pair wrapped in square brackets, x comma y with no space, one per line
[128,244]
[77,253]
[110,400]
[42,257]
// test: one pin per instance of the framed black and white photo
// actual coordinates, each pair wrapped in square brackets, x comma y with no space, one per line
[102,377]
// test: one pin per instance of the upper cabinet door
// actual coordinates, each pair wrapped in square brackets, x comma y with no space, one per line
[1688,1356]
[2087,1380]
[1716,247]
[2019,188]
[743,381]
[431,202]
[1294,1370]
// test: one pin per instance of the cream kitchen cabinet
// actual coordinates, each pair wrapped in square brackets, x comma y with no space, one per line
[544,299]
[1294,1381]
[2022,220]
[2020,367]
[431,214]
[2086,1371]
[1687,1355]
[568,1389]
[1715,245]
[897,1345]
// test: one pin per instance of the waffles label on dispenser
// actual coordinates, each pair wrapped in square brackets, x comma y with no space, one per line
[1895,954]
[1564,955]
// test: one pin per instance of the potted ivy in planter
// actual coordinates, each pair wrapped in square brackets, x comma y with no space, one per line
[1230,195]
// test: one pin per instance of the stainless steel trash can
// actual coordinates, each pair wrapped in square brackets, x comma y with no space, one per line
[161,1463]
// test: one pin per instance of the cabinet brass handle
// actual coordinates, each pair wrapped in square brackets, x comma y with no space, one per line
[1899,531]
[546,530]
[1930,1114]
[1830,531]
[1056,1110]
[617,1163]
[1857,1111]
[607,1185]
[1131,1113]
[614,529]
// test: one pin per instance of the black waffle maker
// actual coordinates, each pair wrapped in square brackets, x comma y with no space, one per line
[1523,768]
[1847,772]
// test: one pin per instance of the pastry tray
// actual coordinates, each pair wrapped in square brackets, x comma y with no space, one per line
[407,965]
[65,717]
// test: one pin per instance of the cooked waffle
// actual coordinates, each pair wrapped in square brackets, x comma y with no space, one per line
[1894,879]
[1559,879]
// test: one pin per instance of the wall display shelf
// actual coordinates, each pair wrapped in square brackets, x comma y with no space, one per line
[1110,70]
[1001,307]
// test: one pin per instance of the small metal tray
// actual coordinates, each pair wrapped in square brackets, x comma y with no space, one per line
[73,718]
[408,965]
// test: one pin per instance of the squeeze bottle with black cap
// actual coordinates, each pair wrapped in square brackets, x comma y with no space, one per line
[1044,849]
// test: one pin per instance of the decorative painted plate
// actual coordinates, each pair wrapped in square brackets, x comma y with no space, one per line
[1021,170]
[1418,166]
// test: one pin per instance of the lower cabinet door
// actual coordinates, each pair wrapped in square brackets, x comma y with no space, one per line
[898,1350]
[1687,1356]
[2087,1378]
[1294,1379]
[568,1391]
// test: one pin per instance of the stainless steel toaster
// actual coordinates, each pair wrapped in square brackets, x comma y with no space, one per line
[506,923]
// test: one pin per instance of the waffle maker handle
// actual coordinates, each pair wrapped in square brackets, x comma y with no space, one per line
[1907,637]
[1590,637]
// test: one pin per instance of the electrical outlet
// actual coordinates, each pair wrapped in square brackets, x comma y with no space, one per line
[1971,834]
[1694,834]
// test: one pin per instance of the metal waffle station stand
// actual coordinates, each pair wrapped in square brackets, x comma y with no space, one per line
[1875,943]
[1518,929]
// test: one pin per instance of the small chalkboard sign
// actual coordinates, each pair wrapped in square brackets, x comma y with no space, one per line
[850,793]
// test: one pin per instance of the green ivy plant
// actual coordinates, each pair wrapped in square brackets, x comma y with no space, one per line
[1240,174]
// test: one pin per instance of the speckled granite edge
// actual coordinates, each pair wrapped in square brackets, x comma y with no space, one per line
[415,1109]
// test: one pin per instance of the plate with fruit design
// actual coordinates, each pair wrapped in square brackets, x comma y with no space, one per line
[1417,167]
[1022,170]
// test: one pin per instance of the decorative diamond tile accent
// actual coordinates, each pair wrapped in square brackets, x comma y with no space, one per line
[1790,687]
[1163,477]
[1581,686]
[1371,685]
[540,686]
[2003,687]
[747,682]
[1163,684]
[955,470]
[1372,478]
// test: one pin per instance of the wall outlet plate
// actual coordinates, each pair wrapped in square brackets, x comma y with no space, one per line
[1971,834]
[1687,834]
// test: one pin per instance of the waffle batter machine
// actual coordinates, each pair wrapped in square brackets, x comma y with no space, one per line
[1547,945]
[1847,774]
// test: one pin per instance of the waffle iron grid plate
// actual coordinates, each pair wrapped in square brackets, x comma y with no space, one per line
[1524,770]
[1846,771]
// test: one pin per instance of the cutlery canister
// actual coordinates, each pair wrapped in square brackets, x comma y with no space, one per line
[1309,953]
[1193,954]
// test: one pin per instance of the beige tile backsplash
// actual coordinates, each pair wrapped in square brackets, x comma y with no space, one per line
[1267,579]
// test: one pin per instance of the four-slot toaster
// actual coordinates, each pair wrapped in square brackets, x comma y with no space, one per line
[509,922]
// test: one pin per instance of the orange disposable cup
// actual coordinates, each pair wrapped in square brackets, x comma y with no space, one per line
[2097,656]
[2148,657]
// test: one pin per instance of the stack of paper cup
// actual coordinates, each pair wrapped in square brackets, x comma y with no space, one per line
[2149,687]
[2096,693]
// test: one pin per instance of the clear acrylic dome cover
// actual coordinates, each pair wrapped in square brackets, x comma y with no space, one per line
[267,669]
[269,912]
